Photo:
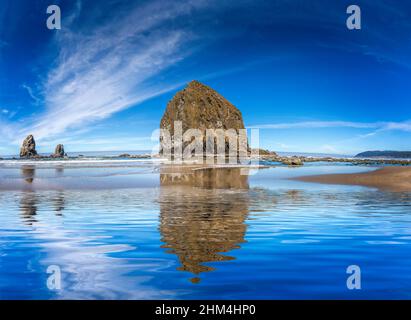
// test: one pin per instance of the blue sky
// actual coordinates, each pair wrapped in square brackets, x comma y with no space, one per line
[295,71]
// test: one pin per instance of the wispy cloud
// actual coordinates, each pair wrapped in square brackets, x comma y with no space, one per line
[30,92]
[377,126]
[104,143]
[7,130]
[110,67]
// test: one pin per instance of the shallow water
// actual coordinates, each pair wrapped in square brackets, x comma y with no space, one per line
[133,232]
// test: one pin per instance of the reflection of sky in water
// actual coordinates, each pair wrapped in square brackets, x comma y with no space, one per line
[276,239]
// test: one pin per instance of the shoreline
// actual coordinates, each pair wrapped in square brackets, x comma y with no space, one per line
[300,160]
[396,179]
[287,160]
[391,178]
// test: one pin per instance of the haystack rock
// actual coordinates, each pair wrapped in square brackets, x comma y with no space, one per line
[28,148]
[200,107]
[59,151]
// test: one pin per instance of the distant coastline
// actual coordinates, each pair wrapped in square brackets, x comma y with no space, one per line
[385,154]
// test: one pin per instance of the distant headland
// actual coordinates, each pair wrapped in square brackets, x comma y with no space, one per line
[385,154]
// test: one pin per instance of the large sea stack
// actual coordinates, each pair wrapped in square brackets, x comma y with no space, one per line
[200,107]
[28,148]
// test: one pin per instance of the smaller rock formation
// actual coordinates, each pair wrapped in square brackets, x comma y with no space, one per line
[59,151]
[28,148]
[124,155]
[134,156]
[265,153]
[293,161]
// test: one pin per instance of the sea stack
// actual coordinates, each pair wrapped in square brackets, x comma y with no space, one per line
[59,151]
[28,148]
[200,107]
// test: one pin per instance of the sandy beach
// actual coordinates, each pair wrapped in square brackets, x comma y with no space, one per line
[389,178]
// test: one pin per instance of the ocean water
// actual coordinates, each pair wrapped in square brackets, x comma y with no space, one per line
[136,231]
[89,154]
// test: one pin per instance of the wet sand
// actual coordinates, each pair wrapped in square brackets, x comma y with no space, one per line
[396,179]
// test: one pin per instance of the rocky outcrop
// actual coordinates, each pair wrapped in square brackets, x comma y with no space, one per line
[59,151]
[201,240]
[28,148]
[265,153]
[293,161]
[200,107]
[134,156]
[300,160]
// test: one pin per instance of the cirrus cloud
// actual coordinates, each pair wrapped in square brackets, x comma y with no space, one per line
[110,67]
[378,126]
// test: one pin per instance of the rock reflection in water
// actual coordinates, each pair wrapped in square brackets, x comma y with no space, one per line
[212,178]
[28,173]
[28,207]
[58,200]
[28,202]
[59,203]
[199,225]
